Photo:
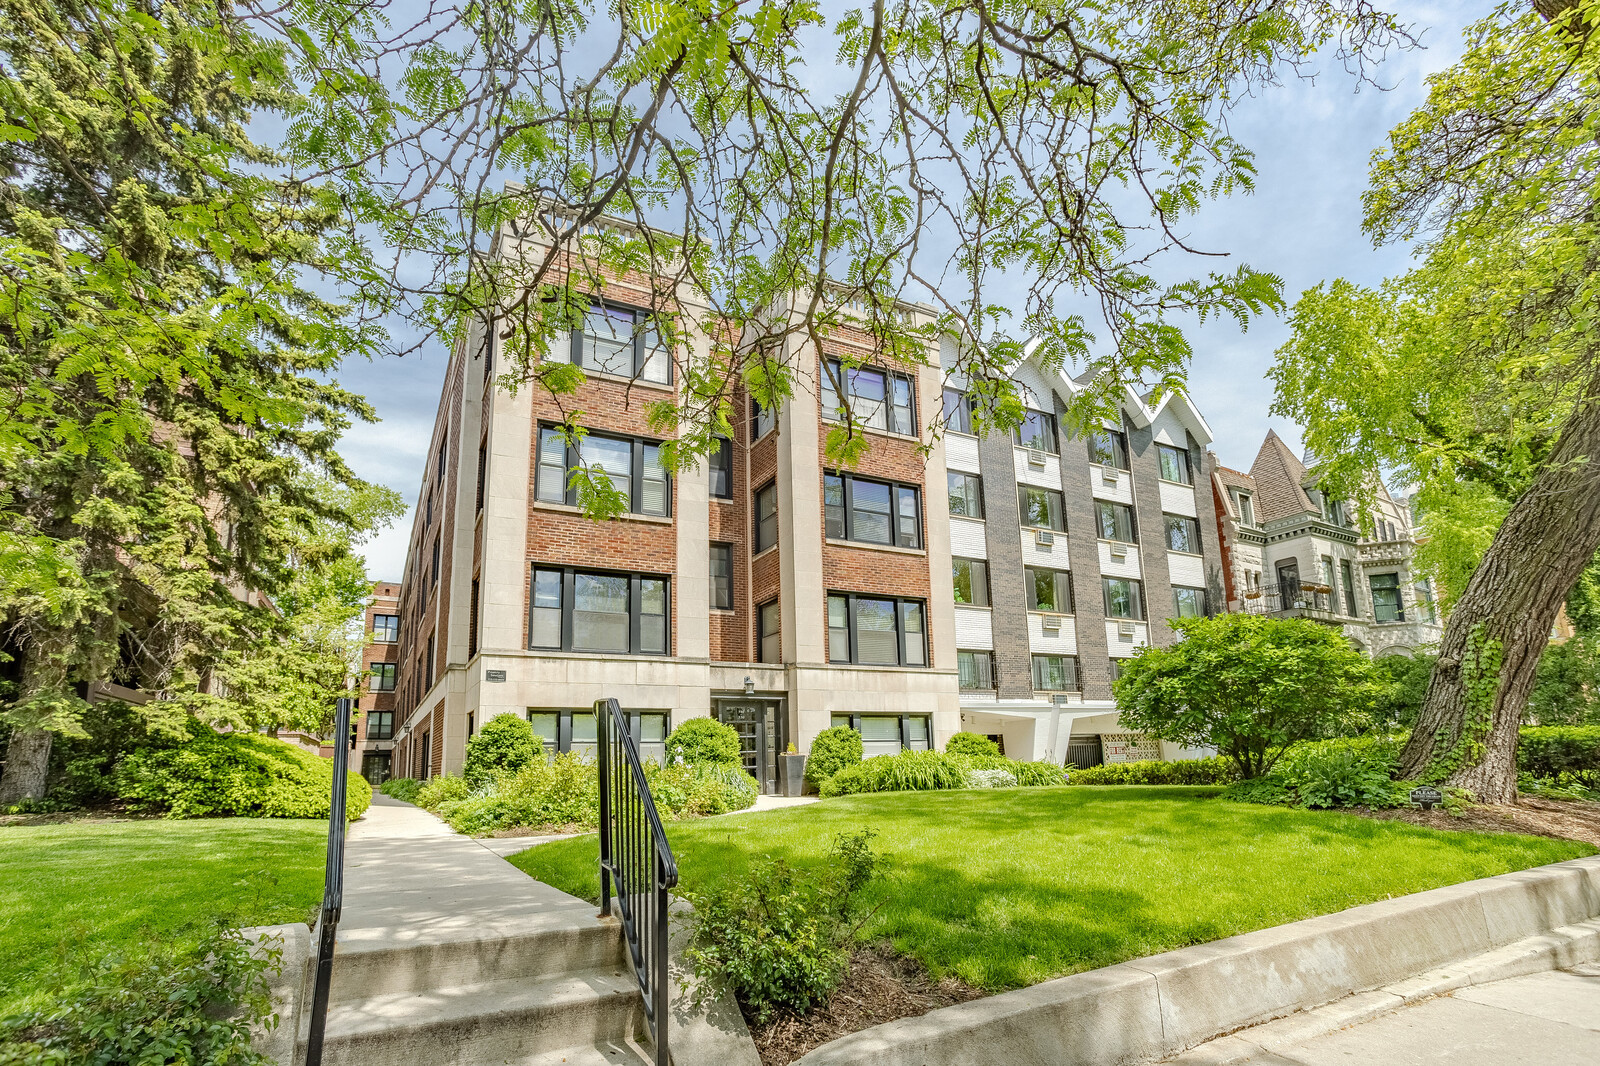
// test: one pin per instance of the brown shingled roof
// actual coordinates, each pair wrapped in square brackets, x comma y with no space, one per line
[1278,476]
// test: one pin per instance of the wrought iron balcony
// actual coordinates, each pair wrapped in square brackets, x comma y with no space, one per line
[1303,600]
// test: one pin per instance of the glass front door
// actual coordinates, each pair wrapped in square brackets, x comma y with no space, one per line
[756,722]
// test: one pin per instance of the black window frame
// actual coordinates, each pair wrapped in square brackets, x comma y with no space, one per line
[762,420]
[1182,455]
[891,415]
[641,328]
[1104,507]
[853,649]
[977,578]
[1399,597]
[1171,521]
[1118,447]
[569,575]
[896,527]
[720,462]
[1047,423]
[1347,578]
[433,581]
[379,626]
[757,541]
[1030,589]
[770,609]
[380,725]
[726,549]
[853,721]
[1138,586]
[987,671]
[562,741]
[1076,684]
[1060,509]
[384,677]
[958,408]
[1200,597]
[972,490]
[572,460]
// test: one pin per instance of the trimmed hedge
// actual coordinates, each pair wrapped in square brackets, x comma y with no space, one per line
[1546,751]
[504,745]
[1213,771]
[927,771]
[833,750]
[971,744]
[217,775]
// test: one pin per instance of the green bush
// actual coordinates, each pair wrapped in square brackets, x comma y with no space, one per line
[437,791]
[194,1007]
[222,774]
[703,741]
[780,938]
[1213,771]
[699,791]
[1546,751]
[1260,790]
[921,771]
[1342,778]
[833,750]
[971,744]
[1028,774]
[1571,785]
[404,789]
[504,745]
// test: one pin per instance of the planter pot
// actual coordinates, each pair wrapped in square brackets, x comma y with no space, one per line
[791,774]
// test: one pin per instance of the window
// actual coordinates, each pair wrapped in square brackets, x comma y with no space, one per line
[434,580]
[472,622]
[975,669]
[1048,590]
[878,399]
[1124,598]
[887,734]
[766,517]
[1188,603]
[438,469]
[386,628]
[1116,670]
[957,411]
[763,419]
[632,464]
[722,576]
[966,494]
[1246,508]
[472,720]
[1109,447]
[430,661]
[1386,605]
[1115,521]
[875,631]
[1183,533]
[1038,430]
[1329,580]
[1055,673]
[383,675]
[770,620]
[575,729]
[871,511]
[1041,508]
[622,341]
[971,581]
[1174,464]
[721,464]
[380,725]
[483,470]
[575,610]
[1348,579]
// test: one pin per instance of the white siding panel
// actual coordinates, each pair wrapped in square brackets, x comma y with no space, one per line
[974,631]
[967,538]
[961,453]
[1111,566]
[1043,643]
[1179,499]
[1122,647]
[1120,492]
[1055,555]
[1047,476]
[1167,429]
[1186,570]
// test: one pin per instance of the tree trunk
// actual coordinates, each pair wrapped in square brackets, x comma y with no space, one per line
[27,762]
[1466,733]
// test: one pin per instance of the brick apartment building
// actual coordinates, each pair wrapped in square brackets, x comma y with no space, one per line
[380,663]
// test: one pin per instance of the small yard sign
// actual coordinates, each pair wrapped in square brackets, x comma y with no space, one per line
[1426,797]
[494,675]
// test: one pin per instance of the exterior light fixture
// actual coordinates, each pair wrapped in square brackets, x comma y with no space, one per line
[749,686]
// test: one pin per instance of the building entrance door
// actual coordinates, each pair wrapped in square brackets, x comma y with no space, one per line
[756,722]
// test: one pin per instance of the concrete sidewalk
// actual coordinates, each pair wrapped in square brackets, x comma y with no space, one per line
[1544,1019]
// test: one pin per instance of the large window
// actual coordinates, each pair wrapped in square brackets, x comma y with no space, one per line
[577,610]
[722,576]
[876,631]
[1038,430]
[1188,603]
[1109,447]
[1246,507]
[1115,521]
[878,399]
[1347,578]
[632,464]
[957,411]
[1049,590]
[763,420]
[620,340]
[385,628]
[1386,605]
[975,670]
[1055,673]
[770,651]
[383,675]
[721,464]
[1175,464]
[575,729]
[875,512]
[766,516]
[1124,598]
[380,725]
[966,494]
[1183,533]
[971,581]
[887,734]
[1041,508]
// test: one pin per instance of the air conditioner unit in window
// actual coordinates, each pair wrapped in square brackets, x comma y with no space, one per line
[1036,456]
[1051,623]
[1044,537]
[1108,474]
[1126,628]
[1119,550]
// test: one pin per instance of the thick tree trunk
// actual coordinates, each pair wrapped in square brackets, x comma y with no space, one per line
[1466,733]
[27,762]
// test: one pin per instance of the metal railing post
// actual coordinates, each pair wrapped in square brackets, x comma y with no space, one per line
[332,887]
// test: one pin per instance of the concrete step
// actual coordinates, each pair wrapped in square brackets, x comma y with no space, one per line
[375,962]
[517,1021]
[606,1053]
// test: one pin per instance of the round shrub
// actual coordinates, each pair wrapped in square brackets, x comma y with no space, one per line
[703,742]
[834,750]
[971,744]
[504,745]
[217,775]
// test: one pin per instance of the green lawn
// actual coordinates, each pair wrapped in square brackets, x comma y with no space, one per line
[73,891]
[1010,887]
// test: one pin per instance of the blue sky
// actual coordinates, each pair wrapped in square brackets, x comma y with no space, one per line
[1313,139]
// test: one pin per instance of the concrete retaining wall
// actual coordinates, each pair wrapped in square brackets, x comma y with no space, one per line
[1156,1007]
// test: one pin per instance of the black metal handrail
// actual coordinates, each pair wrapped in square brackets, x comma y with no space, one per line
[1288,598]
[635,855]
[332,887]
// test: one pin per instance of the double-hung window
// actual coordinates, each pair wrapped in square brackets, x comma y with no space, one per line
[1386,604]
[385,628]
[1246,507]
[579,610]
[766,516]
[874,512]
[1188,603]
[1175,464]
[1115,521]
[1037,430]
[971,581]
[876,630]
[720,462]
[1041,508]
[621,340]
[957,411]
[632,465]
[1183,533]
[722,576]
[383,675]
[763,420]
[975,670]
[1109,447]
[770,619]
[966,494]
[380,725]
[1347,578]
[877,399]
[1124,598]
[1049,590]
[1055,673]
